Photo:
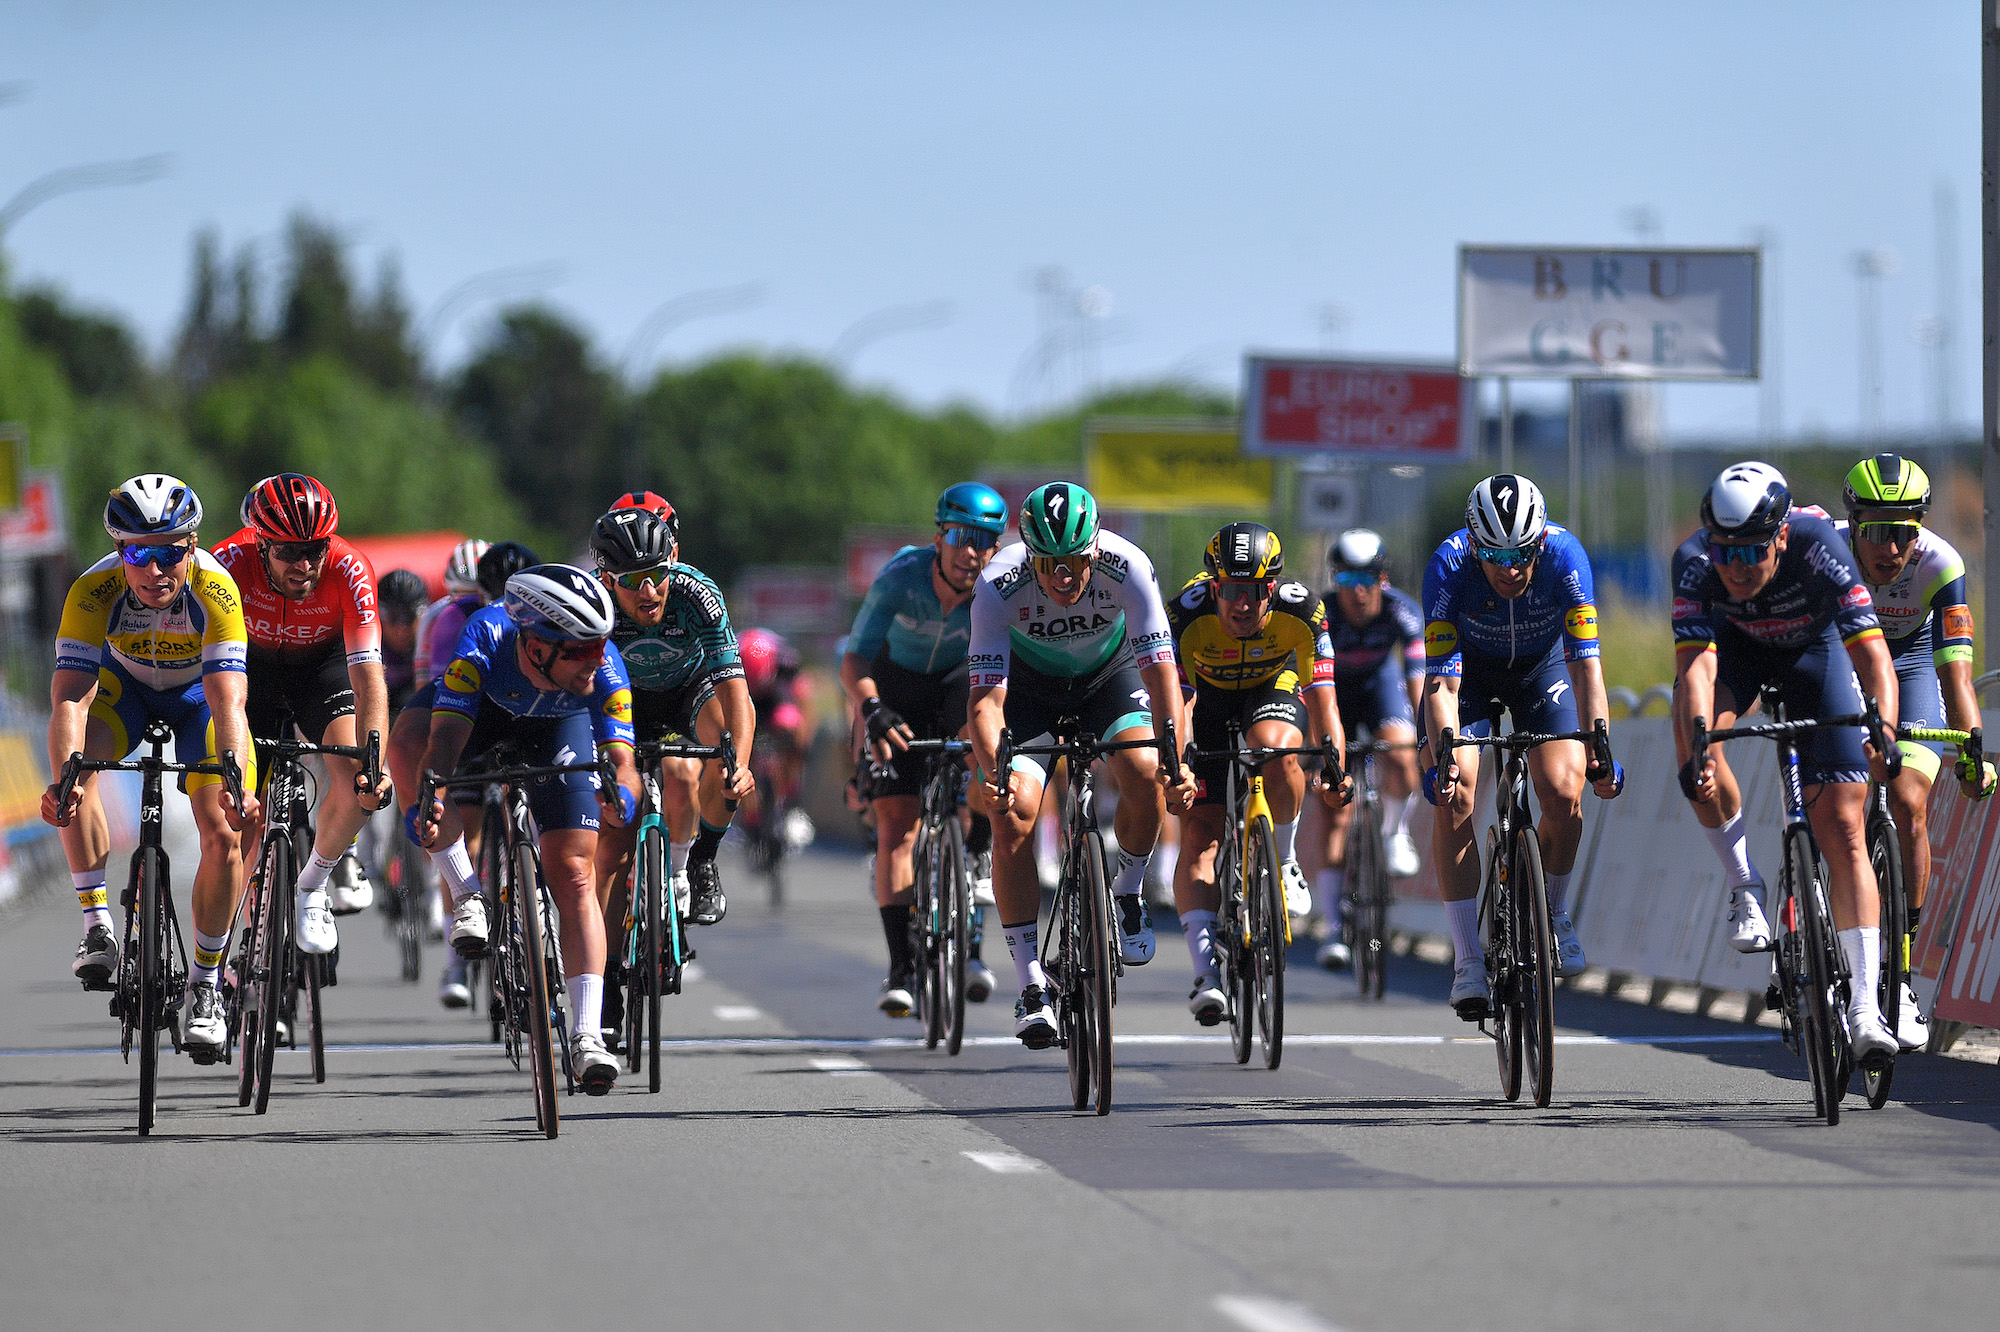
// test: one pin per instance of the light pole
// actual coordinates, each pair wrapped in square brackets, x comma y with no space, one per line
[69,180]
[492,284]
[1870,267]
[679,310]
[884,323]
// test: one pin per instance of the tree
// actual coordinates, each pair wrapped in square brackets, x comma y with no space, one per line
[98,355]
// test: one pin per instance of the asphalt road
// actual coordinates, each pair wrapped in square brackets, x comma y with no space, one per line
[795,1172]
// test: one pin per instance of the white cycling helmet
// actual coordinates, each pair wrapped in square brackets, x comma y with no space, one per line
[1749,499]
[461,571]
[559,601]
[1506,512]
[243,509]
[1358,548]
[153,507]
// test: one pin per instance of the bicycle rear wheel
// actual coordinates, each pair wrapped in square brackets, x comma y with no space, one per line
[152,979]
[1097,975]
[1534,969]
[1885,853]
[1496,933]
[1815,977]
[1266,903]
[771,837]
[274,958]
[540,1031]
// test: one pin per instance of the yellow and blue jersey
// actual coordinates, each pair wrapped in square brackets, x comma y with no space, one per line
[197,634]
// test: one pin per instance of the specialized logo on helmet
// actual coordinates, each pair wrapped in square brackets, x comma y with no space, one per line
[1054,505]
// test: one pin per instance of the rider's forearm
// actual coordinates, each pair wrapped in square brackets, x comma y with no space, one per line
[988,716]
[226,692]
[742,715]
[1961,702]
[1694,700]
[1324,717]
[1163,688]
[855,679]
[449,732]
[371,700]
[1877,673]
[1586,675]
[1440,711]
[70,696]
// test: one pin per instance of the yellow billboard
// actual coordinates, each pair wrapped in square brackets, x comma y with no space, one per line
[1173,467]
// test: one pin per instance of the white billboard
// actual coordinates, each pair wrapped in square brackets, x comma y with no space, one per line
[1548,313]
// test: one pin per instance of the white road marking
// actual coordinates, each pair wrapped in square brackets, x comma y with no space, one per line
[1006,1163]
[841,1065]
[1259,1314]
[738,1012]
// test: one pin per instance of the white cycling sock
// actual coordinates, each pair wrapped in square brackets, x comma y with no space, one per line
[1464,920]
[1200,928]
[1732,847]
[454,866]
[586,1001]
[1558,892]
[1131,872]
[1288,840]
[1166,859]
[312,877]
[677,856]
[1024,944]
[1396,814]
[208,951]
[1862,947]
[1332,885]
[90,895]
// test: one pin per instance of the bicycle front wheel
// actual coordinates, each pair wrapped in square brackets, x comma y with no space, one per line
[653,867]
[1534,969]
[1814,976]
[1496,925]
[927,936]
[1097,977]
[274,958]
[1070,925]
[152,979]
[1885,853]
[1372,938]
[527,892]
[955,936]
[1265,899]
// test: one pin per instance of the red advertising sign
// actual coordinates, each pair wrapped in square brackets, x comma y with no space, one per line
[1400,413]
[790,600]
[38,527]
[868,549]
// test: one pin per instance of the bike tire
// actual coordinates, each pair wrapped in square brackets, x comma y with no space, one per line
[413,889]
[1266,894]
[527,893]
[152,979]
[955,939]
[1885,853]
[1535,981]
[1098,977]
[1375,907]
[653,863]
[1067,973]
[1364,856]
[248,1020]
[1496,936]
[1814,976]
[771,836]
[274,952]
[927,936]
[493,873]
[313,969]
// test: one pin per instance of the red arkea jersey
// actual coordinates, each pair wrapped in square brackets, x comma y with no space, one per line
[342,607]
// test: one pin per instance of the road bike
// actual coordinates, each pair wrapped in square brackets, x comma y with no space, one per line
[655,940]
[941,907]
[275,978]
[1810,982]
[1514,913]
[1080,951]
[1365,918]
[151,980]
[1252,928]
[529,1003]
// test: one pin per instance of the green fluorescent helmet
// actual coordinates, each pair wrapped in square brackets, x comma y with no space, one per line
[1059,519]
[1888,481]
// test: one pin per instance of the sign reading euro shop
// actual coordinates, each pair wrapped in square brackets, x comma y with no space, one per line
[1313,407]
[1532,312]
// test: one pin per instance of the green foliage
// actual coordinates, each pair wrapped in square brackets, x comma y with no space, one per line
[99,356]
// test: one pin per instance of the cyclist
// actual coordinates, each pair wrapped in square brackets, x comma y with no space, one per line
[154,631]
[539,671]
[1917,582]
[781,697]
[403,599]
[315,651]
[1510,623]
[1253,646]
[1773,597]
[1069,624]
[438,633]
[1378,650]
[673,630]
[904,668]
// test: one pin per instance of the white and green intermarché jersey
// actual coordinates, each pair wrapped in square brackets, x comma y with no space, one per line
[1015,621]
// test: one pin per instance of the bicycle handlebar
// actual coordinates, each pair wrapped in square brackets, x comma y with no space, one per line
[76,765]
[1871,719]
[1089,748]
[369,756]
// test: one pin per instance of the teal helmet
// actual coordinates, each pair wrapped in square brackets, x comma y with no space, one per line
[1059,518]
[972,505]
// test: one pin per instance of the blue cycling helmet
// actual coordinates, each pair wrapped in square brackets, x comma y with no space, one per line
[973,505]
[152,507]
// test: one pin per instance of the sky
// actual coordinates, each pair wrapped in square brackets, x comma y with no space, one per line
[1004,203]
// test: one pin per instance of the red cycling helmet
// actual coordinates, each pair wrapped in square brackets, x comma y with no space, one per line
[291,507]
[760,649]
[654,504]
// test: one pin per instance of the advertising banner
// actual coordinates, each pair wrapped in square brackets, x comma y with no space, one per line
[1173,467]
[790,600]
[38,526]
[1548,312]
[1299,407]
[869,548]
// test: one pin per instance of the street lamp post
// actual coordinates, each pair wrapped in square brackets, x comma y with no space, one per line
[70,180]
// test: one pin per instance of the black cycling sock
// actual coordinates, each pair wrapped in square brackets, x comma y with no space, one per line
[706,842]
[896,928]
[979,840]
[978,931]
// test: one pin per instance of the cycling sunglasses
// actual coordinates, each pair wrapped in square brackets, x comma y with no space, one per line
[1075,565]
[1889,534]
[638,578]
[1722,554]
[297,552]
[1514,557]
[976,537]
[586,649]
[1260,590]
[1356,578]
[167,557]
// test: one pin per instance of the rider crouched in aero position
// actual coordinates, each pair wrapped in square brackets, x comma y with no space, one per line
[782,699]
[687,679]
[1069,624]
[316,652]
[1249,643]
[1510,625]
[1917,582]
[538,672]
[1770,595]
[905,668]
[154,631]
[1378,650]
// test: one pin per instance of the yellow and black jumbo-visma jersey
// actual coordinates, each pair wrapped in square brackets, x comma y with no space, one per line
[1293,646]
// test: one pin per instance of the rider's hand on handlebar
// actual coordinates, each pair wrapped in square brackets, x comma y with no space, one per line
[1336,796]
[1180,794]
[887,732]
[1970,788]
[1885,759]
[239,815]
[1698,786]
[376,798]
[55,816]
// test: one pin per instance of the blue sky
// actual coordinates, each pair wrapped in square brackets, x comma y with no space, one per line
[1213,176]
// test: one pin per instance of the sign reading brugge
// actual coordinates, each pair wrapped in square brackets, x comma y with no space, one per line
[1299,407]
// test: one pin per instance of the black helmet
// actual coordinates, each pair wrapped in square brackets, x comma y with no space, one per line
[628,540]
[402,590]
[501,562]
[1244,550]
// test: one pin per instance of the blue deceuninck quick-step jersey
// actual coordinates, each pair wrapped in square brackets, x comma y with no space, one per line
[902,612]
[485,667]
[1462,612]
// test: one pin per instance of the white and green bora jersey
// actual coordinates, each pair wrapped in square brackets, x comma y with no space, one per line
[1013,619]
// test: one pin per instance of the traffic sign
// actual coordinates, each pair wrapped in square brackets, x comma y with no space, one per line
[1329,501]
